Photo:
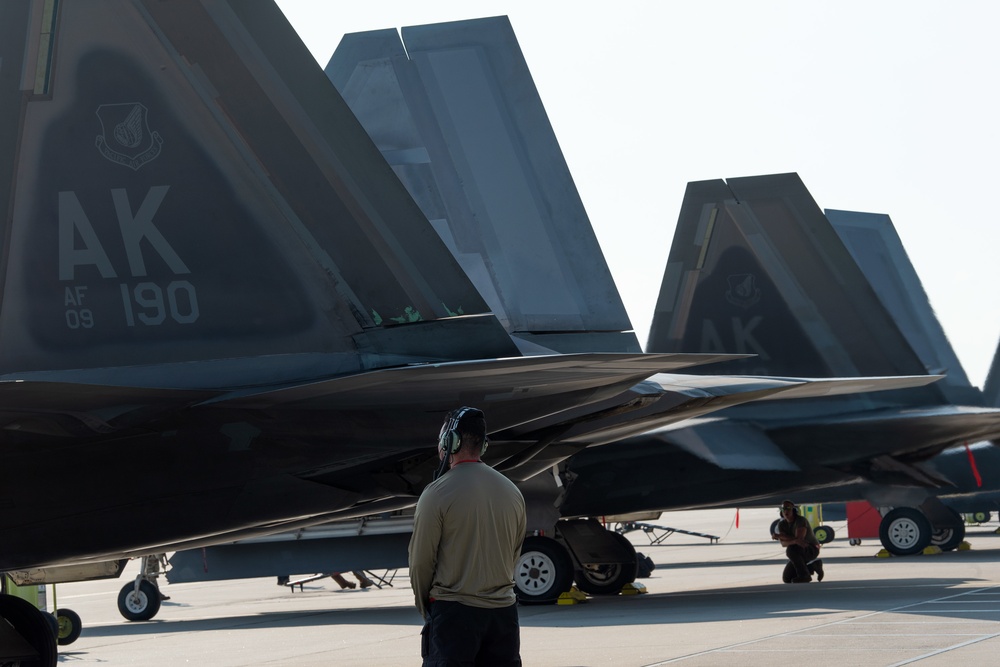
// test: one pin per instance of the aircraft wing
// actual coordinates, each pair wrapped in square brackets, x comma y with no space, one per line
[476,380]
[662,400]
[909,434]
[693,396]
[71,409]
[718,462]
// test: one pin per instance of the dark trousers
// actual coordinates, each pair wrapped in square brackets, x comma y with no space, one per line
[456,634]
[798,559]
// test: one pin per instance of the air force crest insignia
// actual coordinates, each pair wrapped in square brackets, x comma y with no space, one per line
[126,138]
[743,290]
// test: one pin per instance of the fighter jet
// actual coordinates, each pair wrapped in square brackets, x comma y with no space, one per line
[457,115]
[755,266]
[222,313]
[480,158]
[968,476]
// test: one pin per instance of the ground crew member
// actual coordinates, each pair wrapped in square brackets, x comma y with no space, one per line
[467,534]
[801,546]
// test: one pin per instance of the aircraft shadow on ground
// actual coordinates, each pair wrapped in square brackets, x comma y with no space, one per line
[736,603]
[740,603]
[269,620]
[863,553]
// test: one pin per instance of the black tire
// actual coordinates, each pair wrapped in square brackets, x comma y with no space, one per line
[543,572]
[139,606]
[609,579]
[774,527]
[645,566]
[981,517]
[905,531]
[948,538]
[824,534]
[53,624]
[34,626]
[69,626]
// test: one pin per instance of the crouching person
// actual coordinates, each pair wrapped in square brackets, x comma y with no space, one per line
[801,546]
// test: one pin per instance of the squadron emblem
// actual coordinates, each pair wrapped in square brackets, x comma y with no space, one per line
[126,138]
[743,290]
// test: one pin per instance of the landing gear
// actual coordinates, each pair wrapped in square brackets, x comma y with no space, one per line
[602,561]
[824,534]
[140,600]
[948,538]
[608,579]
[543,571]
[981,517]
[31,625]
[905,531]
[68,626]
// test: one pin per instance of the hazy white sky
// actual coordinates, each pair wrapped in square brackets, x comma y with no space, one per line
[887,107]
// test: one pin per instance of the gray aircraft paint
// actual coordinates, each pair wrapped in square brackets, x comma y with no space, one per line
[247,323]
[454,110]
[875,246]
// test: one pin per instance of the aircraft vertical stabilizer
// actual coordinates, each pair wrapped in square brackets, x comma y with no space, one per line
[454,110]
[755,267]
[875,246]
[991,389]
[184,184]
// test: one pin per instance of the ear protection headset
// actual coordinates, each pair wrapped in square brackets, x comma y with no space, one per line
[449,440]
[788,504]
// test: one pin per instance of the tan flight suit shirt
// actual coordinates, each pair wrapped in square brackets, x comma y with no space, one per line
[467,535]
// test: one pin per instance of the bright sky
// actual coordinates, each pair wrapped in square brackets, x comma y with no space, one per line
[886,107]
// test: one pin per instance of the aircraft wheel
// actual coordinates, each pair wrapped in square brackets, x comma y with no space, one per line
[611,578]
[70,626]
[904,531]
[824,534]
[53,624]
[774,527]
[981,517]
[543,571]
[644,566]
[34,626]
[140,605]
[949,537]
[854,541]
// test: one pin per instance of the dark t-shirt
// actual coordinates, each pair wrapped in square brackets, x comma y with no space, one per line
[788,530]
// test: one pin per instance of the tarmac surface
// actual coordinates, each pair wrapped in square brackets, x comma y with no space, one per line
[708,604]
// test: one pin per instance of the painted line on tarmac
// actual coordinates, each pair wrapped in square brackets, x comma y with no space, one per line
[901,609]
[944,650]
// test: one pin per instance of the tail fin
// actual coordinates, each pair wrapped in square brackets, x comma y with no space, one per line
[991,389]
[189,186]
[878,251]
[455,111]
[755,267]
